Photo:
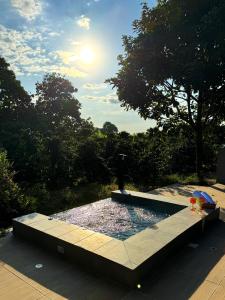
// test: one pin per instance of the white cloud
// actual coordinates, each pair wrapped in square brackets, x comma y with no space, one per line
[84,22]
[28,9]
[89,3]
[67,56]
[95,86]
[24,52]
[53,33]
[70,71]
[75,43]
[108,98]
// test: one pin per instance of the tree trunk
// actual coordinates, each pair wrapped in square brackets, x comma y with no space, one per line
[199,138]
[199,152]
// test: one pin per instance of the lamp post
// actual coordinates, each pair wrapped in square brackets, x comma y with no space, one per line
[120,174]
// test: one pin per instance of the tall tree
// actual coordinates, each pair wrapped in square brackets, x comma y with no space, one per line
[109,128]
[58,112]
[56,102]
[174,67]
[14,100]
[17,114]
[10,194]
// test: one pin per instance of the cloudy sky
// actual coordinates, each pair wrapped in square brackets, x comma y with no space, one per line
[78,38]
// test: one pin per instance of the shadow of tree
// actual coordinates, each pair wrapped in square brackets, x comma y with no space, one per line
[178,278]
[173,189]
[220,189]
[185,271]
[57,276]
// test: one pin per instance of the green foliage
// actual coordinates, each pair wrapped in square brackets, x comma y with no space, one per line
[178,178]
[109,129]
[60,160]
[13,98]
[56,103]
[49,202]
[173,67]
[11,199]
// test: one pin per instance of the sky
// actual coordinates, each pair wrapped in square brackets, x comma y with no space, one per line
[80,39]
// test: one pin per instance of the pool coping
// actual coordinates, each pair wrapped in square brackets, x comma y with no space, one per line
[128,260]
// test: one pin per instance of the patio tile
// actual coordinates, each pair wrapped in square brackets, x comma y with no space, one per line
[31,218]
[174,229]
[28,280]
[138,255]
[76,235]
[24,292]
[218,294]
[145,240]
[94,241]
[110,245]
[217,274]
[136,295]
[222,282]
[170,284]
[143,246]
[204,291]
[129,253]
[45,224]
[7,278]
[115,251]
[59,230]
[54,296]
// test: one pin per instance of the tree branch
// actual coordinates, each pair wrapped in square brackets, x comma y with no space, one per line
[189,108]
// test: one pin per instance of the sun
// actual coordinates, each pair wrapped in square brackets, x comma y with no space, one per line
[87,55]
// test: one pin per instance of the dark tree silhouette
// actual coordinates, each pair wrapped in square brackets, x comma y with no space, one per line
[56,102]
[13,98]
[109,128]
[174,67]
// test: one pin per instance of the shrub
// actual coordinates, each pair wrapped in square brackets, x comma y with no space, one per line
[11,199]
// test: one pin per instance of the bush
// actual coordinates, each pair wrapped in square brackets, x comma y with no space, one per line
[11,199]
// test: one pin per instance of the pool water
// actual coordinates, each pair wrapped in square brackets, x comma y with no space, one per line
[116,219]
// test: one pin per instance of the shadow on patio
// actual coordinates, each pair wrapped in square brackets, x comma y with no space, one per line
[178,278]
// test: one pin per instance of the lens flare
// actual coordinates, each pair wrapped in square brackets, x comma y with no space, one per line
[87,55]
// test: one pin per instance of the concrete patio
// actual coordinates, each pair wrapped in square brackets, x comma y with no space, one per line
[190,273]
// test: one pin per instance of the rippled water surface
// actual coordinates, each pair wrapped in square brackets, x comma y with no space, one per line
[117,219]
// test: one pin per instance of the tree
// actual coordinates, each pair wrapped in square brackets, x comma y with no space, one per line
[173,68]
[14,100]
[56,103]
[109,128]
[10,195]
[17,115]
[59,121]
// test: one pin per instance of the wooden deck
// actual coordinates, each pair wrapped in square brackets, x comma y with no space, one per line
[191,273]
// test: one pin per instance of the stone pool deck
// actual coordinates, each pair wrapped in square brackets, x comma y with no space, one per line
[127,261]
[196,273]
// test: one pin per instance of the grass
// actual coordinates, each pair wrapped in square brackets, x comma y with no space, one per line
[49,202]
[4,231]
[59,200]
[188,179]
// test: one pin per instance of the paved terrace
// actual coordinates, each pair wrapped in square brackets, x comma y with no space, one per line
[191,273]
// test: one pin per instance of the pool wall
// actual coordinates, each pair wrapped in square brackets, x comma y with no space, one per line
[87,259]
[128,261]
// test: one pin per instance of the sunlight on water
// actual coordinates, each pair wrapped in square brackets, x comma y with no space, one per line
[113,218]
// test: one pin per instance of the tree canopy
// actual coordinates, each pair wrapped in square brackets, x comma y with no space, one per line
[56,101]
[109,128]
[173,69]
[14,100]
[48,152]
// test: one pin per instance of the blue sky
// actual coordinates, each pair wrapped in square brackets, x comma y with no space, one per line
[78,38]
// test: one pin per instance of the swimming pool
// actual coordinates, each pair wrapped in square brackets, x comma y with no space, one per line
[127,258]
[115,218]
